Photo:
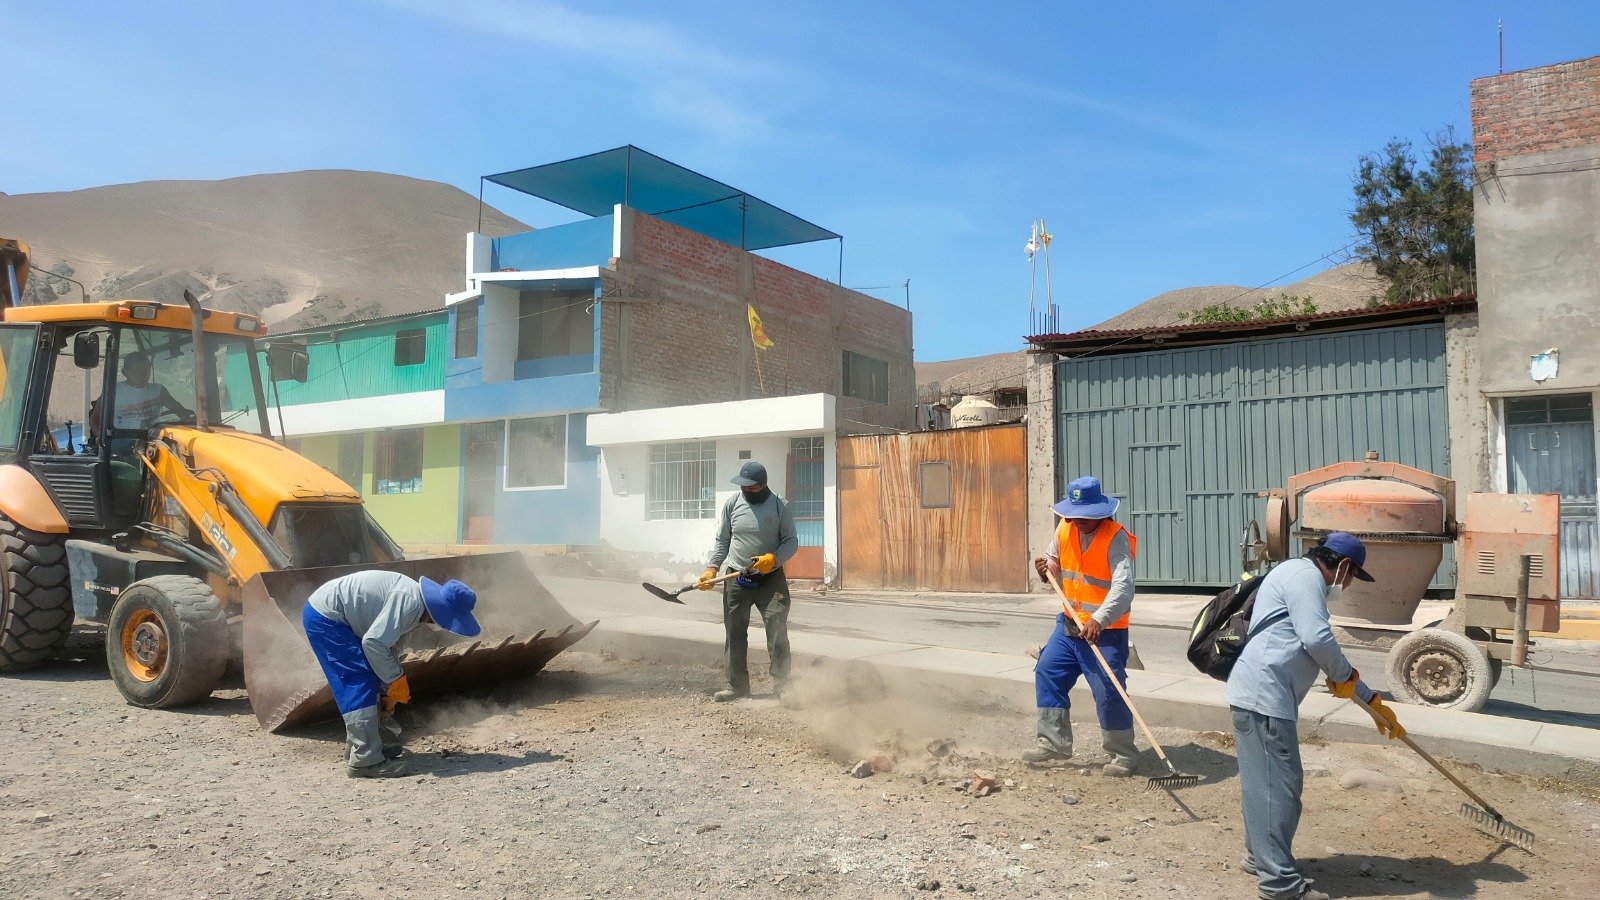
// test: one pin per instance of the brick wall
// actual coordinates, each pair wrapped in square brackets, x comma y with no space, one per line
[1536,110]
[673,329]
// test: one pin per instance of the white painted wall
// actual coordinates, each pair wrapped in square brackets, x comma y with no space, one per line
[497,320]
[625,439]
[362,414]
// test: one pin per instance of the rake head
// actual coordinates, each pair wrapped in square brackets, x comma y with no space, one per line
[1171,781]
[1490,822]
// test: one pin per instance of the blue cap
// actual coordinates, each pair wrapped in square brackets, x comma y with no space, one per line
[750,473]
[450,604]
[1350,547]
[1085,500]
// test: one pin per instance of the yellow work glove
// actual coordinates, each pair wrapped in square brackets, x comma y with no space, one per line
[1344,690]
[704,582]
[1388,725]
[764,563]
[398,691]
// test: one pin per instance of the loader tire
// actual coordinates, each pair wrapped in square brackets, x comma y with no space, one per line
[35,599]
[167,641]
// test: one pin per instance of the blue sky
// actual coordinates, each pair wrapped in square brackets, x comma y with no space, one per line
[1168,145]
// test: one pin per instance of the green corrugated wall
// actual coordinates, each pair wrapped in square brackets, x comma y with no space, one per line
[1187,437]
[357,362]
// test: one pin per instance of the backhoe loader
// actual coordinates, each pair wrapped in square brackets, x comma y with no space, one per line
[174,518]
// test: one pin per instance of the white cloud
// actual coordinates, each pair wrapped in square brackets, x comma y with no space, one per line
[675,75]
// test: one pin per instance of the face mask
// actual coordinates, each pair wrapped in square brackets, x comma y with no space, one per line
[755,498]
[1336,591]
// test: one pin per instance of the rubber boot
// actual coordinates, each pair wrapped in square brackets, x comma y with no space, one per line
[1054,732]
[1124,755]
[391,733]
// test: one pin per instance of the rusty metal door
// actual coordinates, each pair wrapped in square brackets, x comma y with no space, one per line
[1550,449]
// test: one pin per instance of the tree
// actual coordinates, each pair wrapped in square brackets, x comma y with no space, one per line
[1284,306]
[1415,221]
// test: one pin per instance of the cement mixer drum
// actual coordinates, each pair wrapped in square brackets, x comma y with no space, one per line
[1402,514]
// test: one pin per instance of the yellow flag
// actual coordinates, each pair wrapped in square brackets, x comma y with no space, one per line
[758,335]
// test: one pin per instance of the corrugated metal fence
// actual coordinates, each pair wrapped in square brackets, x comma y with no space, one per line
[1186,438]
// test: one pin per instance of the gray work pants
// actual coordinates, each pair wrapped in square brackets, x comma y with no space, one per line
[363,737]
[772,601]
[1270,781]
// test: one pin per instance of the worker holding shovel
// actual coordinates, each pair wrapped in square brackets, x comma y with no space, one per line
[1290,641]
[354,624]
[755,537]
[1093,557]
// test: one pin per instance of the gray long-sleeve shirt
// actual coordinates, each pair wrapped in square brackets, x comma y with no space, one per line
[745,532]
[1120,557]
[380,607]
[1280,663]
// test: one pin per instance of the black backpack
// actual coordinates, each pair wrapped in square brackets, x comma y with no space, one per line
[1223,627]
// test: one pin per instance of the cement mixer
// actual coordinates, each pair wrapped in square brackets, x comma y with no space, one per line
[1507,582]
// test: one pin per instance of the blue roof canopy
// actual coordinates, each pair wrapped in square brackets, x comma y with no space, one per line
[595,183]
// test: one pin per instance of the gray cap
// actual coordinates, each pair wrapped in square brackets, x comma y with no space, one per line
[750,473]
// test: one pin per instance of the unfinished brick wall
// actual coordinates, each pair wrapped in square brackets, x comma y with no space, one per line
[1536,111]
[673,329]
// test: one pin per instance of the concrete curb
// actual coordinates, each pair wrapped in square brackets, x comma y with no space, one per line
[964,678]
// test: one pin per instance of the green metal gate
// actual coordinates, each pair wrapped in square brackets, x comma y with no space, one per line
[1186,438]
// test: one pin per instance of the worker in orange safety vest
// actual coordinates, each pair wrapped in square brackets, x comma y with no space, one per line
[1093,558]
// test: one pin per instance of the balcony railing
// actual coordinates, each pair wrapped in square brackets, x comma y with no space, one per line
[570,246]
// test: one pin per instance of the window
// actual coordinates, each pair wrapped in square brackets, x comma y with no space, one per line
[17,343]
[933,485]
[397,462]
[554,324]
[466,336]
[865,378]
[682,481]
[351,449]
[410,347]
[536,453]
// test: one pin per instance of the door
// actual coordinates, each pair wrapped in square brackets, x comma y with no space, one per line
[861,537]
[1156,494]
[805,498]
[482,473]
[1550,450]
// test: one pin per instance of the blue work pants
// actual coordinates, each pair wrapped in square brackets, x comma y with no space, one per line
[1065,658]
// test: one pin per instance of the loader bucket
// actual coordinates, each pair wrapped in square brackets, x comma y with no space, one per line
[523,629]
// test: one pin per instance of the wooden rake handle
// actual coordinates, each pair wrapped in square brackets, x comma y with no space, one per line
[1406,739]
[1111,676]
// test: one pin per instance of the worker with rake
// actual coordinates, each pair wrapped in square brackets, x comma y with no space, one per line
[1093,558]
[1290,641]
[354,624]
[755,537]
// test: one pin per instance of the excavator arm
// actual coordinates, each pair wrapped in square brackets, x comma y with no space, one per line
[14,269]
[239,545]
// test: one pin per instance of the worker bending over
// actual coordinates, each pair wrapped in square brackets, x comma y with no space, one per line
[755,536]
[354,624]
[1290,641]
[1093,557]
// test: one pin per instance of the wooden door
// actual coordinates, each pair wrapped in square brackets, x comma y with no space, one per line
[860,527]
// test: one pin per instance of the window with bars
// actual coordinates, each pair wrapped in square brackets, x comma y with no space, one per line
[397,462]
[410,347]
[466,337]
[681,482]
[865,378]
[536,453]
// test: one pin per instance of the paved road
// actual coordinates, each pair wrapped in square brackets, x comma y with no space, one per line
[1571,699]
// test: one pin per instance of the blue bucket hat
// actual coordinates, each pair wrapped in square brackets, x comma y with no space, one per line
[450,604]
[1085,500]
[1350,547]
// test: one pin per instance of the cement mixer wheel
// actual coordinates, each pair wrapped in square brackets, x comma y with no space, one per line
[167,641]
[1442,669]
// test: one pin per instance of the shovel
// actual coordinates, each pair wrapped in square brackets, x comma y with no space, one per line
[1173,778]
[1483,817]
[672,596]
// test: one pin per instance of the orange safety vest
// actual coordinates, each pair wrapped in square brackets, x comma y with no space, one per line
[1086,574]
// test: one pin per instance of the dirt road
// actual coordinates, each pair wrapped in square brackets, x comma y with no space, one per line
[605,778]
